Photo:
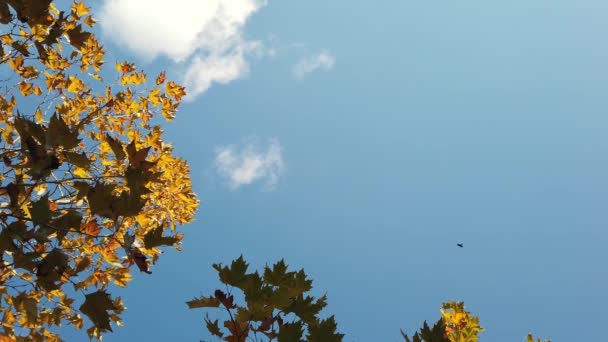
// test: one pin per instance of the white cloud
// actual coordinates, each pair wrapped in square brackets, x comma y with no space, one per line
[248,164]
[207,35]
[323,61]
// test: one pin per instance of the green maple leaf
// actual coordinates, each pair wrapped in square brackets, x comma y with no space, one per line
[96,306]
[82,188]
[104,203]
[281,297]
[325,331]
[291,333]
[17,230]
[155,238]
[51,269]
[137,159]
[25,260]
[253,288]
[257,311]
[116,147]
[277,274]
[306,308]
[67,222]
[127,204]
[77,36]
[436,334]
[300,284]
[27,305]
[137,179]
[235,275]
[79,159]
[100,199]
[213,327]
[60,134]
[27,128]
[40,211]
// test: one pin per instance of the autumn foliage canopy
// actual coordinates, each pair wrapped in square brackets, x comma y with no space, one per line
[89,189]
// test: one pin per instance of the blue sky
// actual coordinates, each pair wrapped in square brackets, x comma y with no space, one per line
[363,140]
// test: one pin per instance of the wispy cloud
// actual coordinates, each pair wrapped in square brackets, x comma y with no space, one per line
[246,164]
[324,61]
[205,35]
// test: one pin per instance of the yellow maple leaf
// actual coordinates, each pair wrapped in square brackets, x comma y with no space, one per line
[82,173]
[155,97]
[175,90]
[25,88]
[39,32]
[7,39]
[89,21]
[134,78]
[168,109]
[29,72]
[39,116]
[75,85]
[122,277]
[16,63]
[79,10]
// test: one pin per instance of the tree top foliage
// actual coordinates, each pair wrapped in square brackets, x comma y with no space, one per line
[88,187]
[277,306]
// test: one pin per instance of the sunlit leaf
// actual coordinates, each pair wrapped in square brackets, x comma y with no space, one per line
[75,85]
[25,88]
[79,9]
[175,90]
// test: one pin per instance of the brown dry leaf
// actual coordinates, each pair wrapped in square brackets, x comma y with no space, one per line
[92,228]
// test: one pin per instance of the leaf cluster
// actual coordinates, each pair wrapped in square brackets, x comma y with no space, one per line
[531,338]
[455,325]
[88,187]
[427,334]
[276,305]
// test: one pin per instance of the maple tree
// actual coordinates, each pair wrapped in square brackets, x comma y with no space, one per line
[89,189]
[276,306]
[455,325]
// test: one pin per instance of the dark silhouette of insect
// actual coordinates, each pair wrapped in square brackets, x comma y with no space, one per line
[460,245]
